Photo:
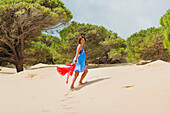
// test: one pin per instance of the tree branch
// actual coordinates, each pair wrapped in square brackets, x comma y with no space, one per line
[7,59]
[4,50]
[11,47]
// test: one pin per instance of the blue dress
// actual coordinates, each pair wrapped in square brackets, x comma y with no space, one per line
[80,64]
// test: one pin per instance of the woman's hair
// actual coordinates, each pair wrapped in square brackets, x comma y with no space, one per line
[81,36]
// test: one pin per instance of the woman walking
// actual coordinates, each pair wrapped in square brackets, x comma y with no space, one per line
[80,62]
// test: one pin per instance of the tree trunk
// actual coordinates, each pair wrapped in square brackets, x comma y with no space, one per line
[19,63]
[19,66]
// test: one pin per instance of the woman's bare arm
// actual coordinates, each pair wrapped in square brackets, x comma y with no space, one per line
[77,51]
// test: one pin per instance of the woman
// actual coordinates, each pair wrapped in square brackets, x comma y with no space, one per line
[80,62]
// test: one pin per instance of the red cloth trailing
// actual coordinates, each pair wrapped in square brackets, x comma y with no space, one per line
[69,70]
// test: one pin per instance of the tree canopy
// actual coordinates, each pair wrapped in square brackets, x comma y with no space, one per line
[102,46]
[22,20]
[147,45]
[165,22]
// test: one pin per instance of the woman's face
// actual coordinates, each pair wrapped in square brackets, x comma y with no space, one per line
[82,41]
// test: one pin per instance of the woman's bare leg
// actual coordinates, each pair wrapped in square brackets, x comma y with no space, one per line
[83,76]
[74,79]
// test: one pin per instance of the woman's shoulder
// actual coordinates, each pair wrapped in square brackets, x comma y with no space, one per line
[79,46]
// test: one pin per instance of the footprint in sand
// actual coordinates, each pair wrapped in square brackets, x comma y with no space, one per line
[45,110]
[71,97]
[67,98]
[62,100]
[65,103]
[64,106]
[69,93]
[128,86]
[31,75]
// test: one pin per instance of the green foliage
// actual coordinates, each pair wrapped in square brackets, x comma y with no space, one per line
[102,46]
[24,20]
[99,43]
[165,22]
[55,8]
[147,45]
[42,50]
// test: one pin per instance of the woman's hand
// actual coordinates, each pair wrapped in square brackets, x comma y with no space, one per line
[74,63]
[86,63]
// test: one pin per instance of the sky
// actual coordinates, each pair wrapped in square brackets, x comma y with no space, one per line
[124,17]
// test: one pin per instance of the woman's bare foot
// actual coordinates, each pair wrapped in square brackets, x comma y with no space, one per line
[80,83]
[72,87]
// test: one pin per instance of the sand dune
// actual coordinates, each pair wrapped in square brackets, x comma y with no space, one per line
[143,89]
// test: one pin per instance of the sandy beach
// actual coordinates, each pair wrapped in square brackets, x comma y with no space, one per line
[130,89]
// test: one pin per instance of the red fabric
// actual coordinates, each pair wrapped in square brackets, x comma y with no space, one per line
[68,70]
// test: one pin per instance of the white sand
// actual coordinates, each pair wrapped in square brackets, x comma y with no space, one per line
[143,89]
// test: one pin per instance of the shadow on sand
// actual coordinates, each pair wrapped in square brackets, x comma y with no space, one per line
[7,72]
[90,82]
